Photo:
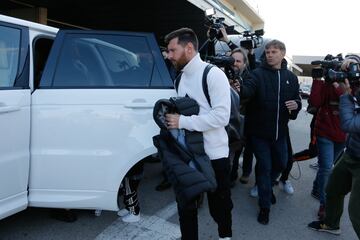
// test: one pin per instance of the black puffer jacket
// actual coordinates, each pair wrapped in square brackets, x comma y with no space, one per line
[188,181]
[268,89]
[350,123]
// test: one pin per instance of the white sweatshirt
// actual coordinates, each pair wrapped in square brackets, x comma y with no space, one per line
[211,120]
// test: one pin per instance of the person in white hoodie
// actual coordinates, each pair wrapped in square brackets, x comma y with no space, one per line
[183,52]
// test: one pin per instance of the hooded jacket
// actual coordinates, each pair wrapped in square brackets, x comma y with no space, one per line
[182,153]
[266,114]
[350,123]
[325,97]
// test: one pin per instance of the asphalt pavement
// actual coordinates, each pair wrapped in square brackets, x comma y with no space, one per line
[288,217]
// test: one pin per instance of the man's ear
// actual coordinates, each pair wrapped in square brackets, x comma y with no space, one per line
[283,53]
[189,48]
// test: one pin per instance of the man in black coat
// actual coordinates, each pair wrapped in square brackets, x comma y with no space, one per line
[274,99]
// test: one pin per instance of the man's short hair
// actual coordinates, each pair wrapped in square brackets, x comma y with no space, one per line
[184,35]
[353,57]
[276,44]
[243,52]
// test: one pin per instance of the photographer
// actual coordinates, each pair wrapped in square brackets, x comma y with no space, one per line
[244,62]
[241,68]
[329,135]
[346,173]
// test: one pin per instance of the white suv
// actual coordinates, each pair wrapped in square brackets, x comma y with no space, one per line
[75,113]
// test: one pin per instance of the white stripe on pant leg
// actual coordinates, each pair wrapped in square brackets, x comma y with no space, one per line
[154,227]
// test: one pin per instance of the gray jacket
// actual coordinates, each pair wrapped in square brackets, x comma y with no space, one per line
[350,123]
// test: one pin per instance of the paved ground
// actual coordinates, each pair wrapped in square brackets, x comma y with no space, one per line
[288,218]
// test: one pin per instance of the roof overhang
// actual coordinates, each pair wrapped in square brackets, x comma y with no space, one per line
[236,12]
[248,12]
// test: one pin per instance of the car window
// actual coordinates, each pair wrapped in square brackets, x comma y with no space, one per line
[100,60]
[9,55]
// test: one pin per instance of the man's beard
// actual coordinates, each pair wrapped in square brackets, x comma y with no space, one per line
[180,63]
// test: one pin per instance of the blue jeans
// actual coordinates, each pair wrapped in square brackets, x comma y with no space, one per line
[271,159]
[329,151]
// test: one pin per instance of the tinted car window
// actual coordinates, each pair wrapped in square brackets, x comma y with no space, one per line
[9,55]
[98,60]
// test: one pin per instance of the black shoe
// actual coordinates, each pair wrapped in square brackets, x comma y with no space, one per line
[273,198]
[263,216]
[163,186]
[322,227]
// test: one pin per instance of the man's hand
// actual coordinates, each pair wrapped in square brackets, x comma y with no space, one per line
[291,105]
[172,121]
[225,36]
[347,86]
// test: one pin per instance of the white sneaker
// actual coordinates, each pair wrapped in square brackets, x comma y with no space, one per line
[225,238]
[131,218]
[254,192]
[123,212]
[287,187]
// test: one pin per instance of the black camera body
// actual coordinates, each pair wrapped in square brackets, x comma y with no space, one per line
[252,39]
[352,74]
[214,29]
[331,70]
[221,61]
[226,63]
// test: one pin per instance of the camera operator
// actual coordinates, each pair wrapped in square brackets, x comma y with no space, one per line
[241,68]
[325,96]
[346,173]
[244,62]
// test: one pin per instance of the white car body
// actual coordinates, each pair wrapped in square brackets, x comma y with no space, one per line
[70,147]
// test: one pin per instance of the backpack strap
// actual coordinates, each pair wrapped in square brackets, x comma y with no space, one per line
[177,81]
[204,82]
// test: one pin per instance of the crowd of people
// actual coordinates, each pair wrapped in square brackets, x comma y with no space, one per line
[269,95]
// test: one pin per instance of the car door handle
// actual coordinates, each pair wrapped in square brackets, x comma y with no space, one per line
[7,109]
[139,103]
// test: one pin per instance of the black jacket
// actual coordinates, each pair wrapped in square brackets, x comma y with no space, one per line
[268,89]
[244,77]
[188,182]
[350,123]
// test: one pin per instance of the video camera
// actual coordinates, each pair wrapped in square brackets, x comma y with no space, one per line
[352,74]
[215,23]
[226,63]
[331,71]
[252,39]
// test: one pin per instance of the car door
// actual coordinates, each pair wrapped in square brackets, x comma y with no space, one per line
[92,116]
[14,118]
